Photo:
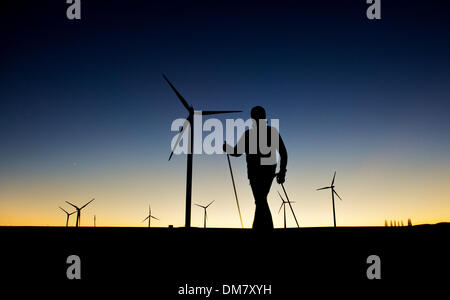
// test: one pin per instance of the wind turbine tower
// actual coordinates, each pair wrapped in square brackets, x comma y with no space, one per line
[283,205]
[190,122]
[150,217]
[333,192]
[78,210]
[206,214]
[67,214]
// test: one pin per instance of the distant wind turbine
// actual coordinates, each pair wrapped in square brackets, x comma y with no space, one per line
[206,214]
[78,210]
[333,192]
[68,215]
[149,217]
[283,205]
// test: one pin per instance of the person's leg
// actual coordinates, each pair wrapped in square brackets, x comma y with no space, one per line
[268,223]
[264,216]
[258,209]
[260,188]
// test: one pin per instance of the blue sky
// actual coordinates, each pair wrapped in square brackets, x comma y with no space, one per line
[86,98]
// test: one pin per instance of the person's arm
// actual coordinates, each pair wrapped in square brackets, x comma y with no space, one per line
[283,161]
[283,156]
[233,151]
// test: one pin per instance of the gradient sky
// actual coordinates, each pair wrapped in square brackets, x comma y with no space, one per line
[85,112]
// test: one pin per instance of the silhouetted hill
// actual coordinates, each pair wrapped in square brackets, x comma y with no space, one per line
[441,224]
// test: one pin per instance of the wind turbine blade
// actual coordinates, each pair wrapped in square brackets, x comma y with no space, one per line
[145,219]
[199,205]
[210,203]
[181,98]
[63,210]
[337,195]
[154,218]
[280,196]
[324,188]
[334,176]
[216,112]
[179,137]
[87,203]
[281,207]
[72,204]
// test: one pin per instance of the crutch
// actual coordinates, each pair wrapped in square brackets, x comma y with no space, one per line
[235,193]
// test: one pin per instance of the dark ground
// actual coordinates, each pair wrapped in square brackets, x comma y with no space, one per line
[160,260]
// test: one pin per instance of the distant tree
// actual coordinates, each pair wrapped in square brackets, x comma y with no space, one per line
[409,222]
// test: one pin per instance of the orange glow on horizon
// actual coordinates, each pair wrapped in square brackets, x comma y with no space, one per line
[371,194]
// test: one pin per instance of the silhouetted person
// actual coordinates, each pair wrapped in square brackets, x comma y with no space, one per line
[261,163]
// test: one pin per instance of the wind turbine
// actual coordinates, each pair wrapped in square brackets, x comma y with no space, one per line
[206,215]
[149,217]
[68,215]
[78,210]
[283,205]
[190,122]
[333,192]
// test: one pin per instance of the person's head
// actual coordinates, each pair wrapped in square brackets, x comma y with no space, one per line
[257,113]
